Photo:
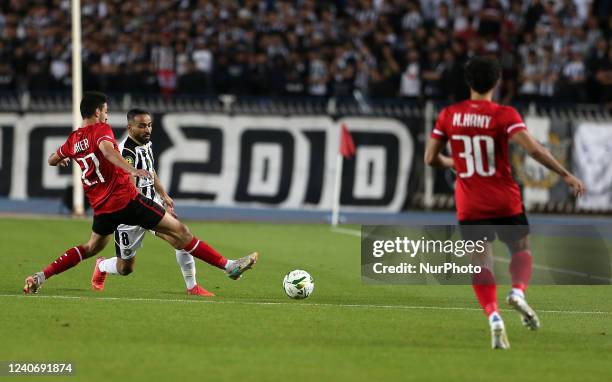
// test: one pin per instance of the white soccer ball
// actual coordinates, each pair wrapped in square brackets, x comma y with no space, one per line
[298,284]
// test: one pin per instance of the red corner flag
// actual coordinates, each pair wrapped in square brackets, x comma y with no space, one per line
[347,146]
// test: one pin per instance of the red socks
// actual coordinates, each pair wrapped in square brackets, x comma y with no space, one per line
[486,290]
[520,269]
[203,251]
[66,261]
[484,282]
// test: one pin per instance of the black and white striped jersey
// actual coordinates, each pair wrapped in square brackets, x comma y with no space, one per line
[141,157]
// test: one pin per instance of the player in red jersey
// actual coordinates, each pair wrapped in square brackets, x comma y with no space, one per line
[136,149]
[486,195]
[115,200]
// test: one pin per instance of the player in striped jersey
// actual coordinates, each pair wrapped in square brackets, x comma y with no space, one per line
[136,150]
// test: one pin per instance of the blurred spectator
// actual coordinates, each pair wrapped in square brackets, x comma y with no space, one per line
[530,77]
[550,75]
[603,77]
[433,73]
[573,78]
[410,87]
[163,59]
[296,75]
[318,75]
[385,76]
[7,78]
[595,61]
[202,57]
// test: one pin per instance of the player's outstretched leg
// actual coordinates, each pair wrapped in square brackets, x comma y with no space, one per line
[69,259]
[233,268]
[178,235]
[187,265]
[520,269]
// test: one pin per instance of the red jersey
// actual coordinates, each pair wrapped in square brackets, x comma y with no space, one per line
[478,132]
[107,187]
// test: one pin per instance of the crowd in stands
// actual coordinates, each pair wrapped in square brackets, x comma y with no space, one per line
[549,50]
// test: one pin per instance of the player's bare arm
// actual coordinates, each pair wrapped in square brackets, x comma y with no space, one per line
[116,159]
[56,160]
[543,156]
[434,156]
[159,188]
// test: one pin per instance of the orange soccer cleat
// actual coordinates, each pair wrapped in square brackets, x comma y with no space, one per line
[33,283]
[98,278]
[197,290]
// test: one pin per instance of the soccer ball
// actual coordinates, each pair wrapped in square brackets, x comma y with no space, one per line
[298,284]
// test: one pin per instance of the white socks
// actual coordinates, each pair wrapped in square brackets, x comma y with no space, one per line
[109,266]
[495,320]
[518,292]
[187,265]
[229,264]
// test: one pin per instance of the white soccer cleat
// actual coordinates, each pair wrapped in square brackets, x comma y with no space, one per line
[34,283]
[529,318]
[499,338]
[242,265]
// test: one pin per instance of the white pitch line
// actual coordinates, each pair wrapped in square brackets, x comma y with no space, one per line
[558,270]
[347,231]
[365,306]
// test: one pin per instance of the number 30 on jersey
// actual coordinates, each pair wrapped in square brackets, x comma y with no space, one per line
[473,155]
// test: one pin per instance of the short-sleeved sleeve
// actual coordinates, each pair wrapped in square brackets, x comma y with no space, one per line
[512,122]
[65,150]
[129,155]
[104,133]
[439,131]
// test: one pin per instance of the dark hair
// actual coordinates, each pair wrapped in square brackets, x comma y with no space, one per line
[134,112]
[90,102]
[482,73]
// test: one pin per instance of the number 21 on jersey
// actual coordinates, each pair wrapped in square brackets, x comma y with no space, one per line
[88,179]
[473,155]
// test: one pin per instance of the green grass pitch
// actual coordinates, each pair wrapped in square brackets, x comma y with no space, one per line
[144,327]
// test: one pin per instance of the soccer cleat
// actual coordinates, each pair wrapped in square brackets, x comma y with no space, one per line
[528,316]
[197,290]
[34,283]
[499,339]
[98,278]
[242,265]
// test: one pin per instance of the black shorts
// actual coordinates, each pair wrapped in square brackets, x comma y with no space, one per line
[509,228]
[140,211]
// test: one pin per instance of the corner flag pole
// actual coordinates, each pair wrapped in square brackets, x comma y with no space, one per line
[345,150]
[337,183]
[78,207]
